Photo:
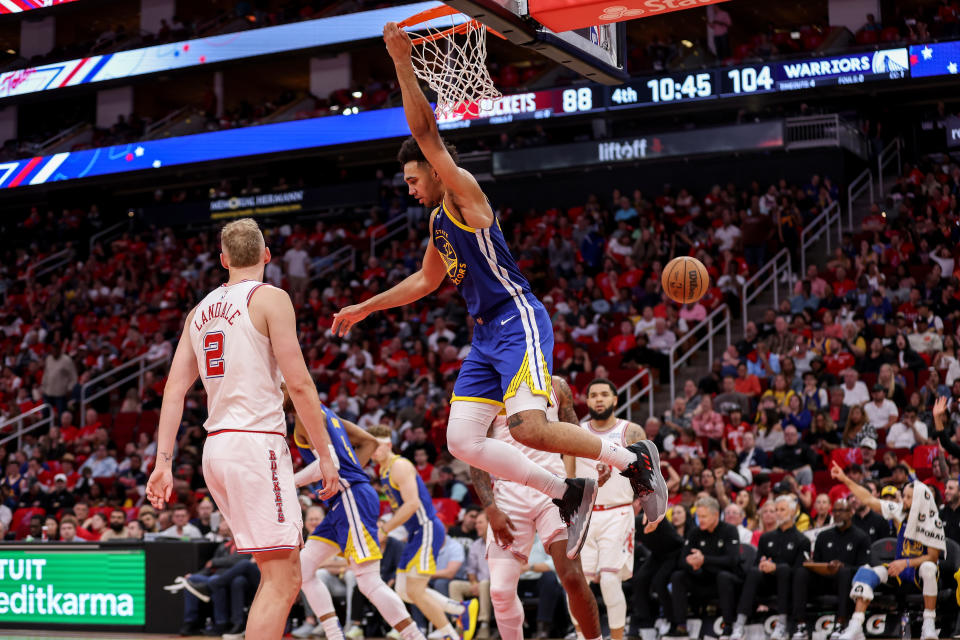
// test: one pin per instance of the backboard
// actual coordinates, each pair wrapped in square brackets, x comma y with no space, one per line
[597,53]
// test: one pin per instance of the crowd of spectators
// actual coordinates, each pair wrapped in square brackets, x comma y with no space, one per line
[846,369]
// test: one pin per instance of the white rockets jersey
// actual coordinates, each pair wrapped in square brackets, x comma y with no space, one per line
[552,462]
[617,489]
[236,363]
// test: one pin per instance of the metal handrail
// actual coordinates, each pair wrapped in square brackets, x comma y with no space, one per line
[626,411]
[41,147]
[394,227]
[154,127]
[862,183]
[822,224]
[21,430]
[339,259]
[884,158]
[100,234]
[712,327]
[768,274]
[52,261]
[142,365]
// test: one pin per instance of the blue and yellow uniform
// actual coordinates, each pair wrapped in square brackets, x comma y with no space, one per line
[513,339]
[352,514]
[425,532]
[908,549]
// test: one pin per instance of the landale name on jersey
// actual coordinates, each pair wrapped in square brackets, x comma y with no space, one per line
[223,310]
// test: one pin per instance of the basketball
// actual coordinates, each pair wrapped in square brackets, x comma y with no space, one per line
[685,279]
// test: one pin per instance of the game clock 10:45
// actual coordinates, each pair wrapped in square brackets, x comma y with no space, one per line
[664,90]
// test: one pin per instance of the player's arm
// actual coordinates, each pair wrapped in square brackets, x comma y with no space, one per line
[410,289]
[863,494]
[404,475]
[467,194]
[897,566]
[183,373]
[274,306]
[362,442]
[634,433]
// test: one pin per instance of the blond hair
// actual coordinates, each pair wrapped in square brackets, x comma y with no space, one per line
[380,431]
[243,243]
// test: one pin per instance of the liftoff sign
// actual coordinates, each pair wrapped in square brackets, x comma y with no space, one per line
[566,15]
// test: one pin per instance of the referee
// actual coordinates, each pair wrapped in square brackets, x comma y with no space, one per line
[837,553]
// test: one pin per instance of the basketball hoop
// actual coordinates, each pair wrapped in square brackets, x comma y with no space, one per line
[453,62]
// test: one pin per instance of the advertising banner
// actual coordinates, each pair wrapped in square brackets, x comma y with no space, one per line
[761,135]
[953,131]
[73,587]
[938,59]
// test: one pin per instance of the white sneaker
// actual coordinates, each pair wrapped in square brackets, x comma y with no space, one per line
[318,631]
[835,634]
[393,634]
[779,632]
[354,633]
[233,636]
[303,631]
[928,631]
[738,631]
[853,631]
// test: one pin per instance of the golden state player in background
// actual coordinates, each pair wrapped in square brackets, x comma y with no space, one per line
[607,554]
[413,509]
[914,566]
[511,357]
[239,340]
[348,529]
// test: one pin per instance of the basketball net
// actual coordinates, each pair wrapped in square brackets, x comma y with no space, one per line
[453,63]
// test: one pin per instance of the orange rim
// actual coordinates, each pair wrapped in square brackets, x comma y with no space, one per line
[439,12]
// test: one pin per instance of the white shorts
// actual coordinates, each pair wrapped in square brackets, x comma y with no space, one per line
[532,513]
[609,543]
[250,477]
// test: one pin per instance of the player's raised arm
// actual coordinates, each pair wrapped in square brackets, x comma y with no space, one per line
[862,493]
[275,306]
[412,288]
[468,196]
[183,373]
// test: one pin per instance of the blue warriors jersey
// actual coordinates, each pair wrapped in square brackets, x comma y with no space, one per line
[351,473]
[478,262]
[908,548]
[424,514]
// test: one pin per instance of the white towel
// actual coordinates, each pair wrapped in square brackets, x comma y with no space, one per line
[923,523]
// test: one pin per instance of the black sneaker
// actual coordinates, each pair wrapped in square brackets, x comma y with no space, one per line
[576,507]
[190,628]
[215,631]
[647,480]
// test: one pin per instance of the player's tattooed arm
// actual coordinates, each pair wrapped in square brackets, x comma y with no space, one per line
[565,401]
[483,485]
[635,433]
[166,456]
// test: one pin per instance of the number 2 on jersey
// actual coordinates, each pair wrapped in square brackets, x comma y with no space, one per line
[213,352]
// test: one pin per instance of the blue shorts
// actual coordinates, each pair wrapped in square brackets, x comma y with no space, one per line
[351,523]
[423,547]
[910,576]
[511,347]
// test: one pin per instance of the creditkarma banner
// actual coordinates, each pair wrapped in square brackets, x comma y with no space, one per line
[231,46]
[204,147]
[16,6]
[73,587]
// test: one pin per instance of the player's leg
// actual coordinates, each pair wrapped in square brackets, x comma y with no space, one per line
[927,575]
[414,587]
[580,600]
[385,599]
[507,608]
[279,586]
[747,597]
[865,580]
[313,556]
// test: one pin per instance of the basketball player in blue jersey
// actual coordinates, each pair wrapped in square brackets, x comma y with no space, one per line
[510,361]
[349,528]
[914,566]
[413,509]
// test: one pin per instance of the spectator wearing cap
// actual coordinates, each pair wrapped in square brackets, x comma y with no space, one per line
[881,413]
[60,497]
[908,432]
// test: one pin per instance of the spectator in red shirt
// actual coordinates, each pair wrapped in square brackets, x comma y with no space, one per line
[843,285]
[747,384]
[622,343]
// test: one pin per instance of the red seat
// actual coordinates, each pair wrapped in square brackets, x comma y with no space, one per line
[132,513]
[924,455]
[148,422]
[104,511]
[448,510]
[845,456]
[890,34]
[20,523]
[124,425]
